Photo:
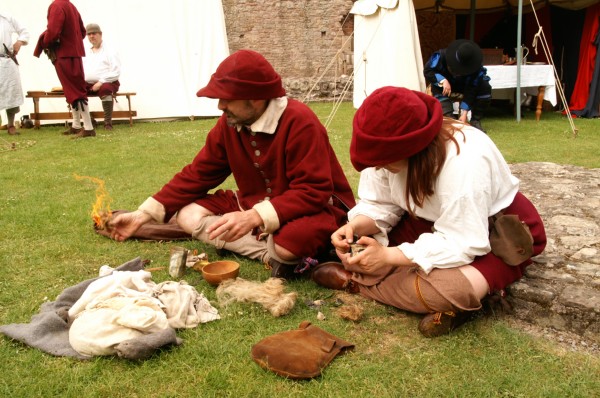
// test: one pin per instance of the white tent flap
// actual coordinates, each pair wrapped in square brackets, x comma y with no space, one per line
[387,50]
[168,51]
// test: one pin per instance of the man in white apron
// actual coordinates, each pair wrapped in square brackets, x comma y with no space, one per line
[11,93]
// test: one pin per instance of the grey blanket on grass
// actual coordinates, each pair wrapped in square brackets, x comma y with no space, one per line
[48,330]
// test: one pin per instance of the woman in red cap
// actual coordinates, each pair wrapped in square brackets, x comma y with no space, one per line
[427,189]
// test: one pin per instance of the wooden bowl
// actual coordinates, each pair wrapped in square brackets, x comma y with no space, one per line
[218,271]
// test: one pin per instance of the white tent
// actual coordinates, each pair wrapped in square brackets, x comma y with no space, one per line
[387,50]
[168,50]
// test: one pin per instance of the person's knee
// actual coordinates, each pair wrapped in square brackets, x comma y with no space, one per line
[284,254]
[190,216]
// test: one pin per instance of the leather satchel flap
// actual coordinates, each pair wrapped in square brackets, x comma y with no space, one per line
[300,353]
[510,239]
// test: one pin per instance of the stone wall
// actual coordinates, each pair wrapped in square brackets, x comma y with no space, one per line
[561,290]
[307,41]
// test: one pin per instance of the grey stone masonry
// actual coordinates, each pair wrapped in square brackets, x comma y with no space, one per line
[561,289]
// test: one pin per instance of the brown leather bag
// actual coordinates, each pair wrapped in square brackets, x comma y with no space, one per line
[510,238]
[299,354]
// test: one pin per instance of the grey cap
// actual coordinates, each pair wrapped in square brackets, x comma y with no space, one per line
[92,28]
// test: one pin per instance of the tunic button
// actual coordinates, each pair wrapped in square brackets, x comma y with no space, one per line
[267,198]
[253,143]
[268,190]
[256,165]
[253,133]
[267,181]
[257,152]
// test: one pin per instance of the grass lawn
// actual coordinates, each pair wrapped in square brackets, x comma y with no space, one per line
[47,244]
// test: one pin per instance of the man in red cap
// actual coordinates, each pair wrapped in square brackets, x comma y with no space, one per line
[291,190]
[457,72]
[428,188]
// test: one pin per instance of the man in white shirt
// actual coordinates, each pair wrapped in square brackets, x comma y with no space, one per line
[102,70]
[11,93]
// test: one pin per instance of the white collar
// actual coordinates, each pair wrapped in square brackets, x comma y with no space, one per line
[268,121]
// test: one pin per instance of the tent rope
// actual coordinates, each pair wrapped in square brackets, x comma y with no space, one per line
[544,44]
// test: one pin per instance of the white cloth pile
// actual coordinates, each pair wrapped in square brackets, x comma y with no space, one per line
[126,305]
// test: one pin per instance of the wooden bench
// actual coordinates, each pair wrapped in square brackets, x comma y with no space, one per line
[36,116]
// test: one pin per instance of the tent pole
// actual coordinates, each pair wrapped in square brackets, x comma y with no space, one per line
[519,61]
[472,30]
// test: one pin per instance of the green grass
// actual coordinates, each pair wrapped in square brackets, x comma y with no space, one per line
[47,244]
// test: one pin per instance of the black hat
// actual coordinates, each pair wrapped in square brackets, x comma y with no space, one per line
[463,57]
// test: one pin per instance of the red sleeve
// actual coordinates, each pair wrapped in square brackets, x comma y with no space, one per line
[56,21]
[208,170]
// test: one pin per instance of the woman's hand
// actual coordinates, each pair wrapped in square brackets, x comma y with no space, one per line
[375,256]
[341,239]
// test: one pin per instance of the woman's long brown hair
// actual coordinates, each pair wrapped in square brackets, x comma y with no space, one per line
[425,166]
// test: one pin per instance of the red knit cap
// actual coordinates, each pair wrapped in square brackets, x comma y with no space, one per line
[392,124]
[244,75]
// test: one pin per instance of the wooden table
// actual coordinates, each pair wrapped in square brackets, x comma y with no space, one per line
[36,116]
[540,78]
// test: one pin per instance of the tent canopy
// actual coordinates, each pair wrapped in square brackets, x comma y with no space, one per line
[482,6]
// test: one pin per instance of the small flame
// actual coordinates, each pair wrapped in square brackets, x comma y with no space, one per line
[101,212]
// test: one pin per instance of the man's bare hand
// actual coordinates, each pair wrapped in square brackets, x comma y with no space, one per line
[124,225]
[232,226]
[446,88]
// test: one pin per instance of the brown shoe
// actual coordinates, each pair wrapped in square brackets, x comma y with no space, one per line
[333,275]
[72,130]
[441,323]
[283,271]
[108,126]
[84,134]
[12,130]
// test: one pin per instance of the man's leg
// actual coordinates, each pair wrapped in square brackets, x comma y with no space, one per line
[194,219]
[447,107]
[107,107]
[482,103]
[10,114]
[84,111]
[75,125]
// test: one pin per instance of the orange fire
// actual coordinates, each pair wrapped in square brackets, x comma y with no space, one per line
[101,212]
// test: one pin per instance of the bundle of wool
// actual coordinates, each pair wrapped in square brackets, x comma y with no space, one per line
[270,294]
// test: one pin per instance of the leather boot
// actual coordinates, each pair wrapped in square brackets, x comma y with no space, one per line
[333,275]
[107,106]
[441,323]
[72,130]
[281,270]
[12,130]
[84,134]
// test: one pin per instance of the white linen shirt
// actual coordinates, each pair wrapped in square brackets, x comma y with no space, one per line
[102,66]
[472,185]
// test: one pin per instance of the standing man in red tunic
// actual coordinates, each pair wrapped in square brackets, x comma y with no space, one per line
[62,41]
[291,190]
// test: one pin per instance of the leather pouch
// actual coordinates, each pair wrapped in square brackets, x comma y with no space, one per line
[299,354]
[510,238]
